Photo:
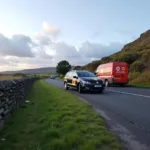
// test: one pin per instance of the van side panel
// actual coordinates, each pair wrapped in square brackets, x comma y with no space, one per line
[104,71]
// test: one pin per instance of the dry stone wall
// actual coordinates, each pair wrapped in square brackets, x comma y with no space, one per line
[12,95]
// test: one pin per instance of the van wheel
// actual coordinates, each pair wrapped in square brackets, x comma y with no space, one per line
[106,83]
[66,86]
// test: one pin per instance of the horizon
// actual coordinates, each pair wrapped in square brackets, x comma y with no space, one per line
[39,34]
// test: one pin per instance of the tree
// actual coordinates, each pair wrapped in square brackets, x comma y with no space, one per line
[63,67]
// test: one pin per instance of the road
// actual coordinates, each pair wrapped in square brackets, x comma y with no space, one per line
[126,112]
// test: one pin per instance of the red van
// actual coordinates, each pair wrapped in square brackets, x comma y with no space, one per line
[113,73]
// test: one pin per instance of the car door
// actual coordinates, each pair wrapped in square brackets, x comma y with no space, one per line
[74,80]
[69,78]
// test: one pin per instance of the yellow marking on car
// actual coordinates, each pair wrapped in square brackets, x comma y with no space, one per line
[73,82]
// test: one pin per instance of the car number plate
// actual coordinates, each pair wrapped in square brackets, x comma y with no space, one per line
[98,85]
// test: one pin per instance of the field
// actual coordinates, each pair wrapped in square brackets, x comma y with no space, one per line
[19,75]
[55,120]
[10,77]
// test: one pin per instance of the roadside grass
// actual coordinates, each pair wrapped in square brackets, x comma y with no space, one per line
[140,80]
[145,86]
[55,120]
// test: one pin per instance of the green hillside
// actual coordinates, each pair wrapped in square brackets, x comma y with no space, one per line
[136,54]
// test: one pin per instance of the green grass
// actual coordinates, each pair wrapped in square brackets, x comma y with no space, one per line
[146,86]
[140,80]
[55,120]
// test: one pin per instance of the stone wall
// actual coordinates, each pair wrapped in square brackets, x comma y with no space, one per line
[12,95]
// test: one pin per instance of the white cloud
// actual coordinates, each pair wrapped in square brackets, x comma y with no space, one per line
[97,50]
[64,51]
[51,30]
[42,51]
[18,45]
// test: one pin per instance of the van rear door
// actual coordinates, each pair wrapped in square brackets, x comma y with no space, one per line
[120,72]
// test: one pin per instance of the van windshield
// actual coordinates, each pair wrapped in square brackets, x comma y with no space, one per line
[85,74]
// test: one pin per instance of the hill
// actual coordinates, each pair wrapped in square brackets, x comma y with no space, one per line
[136,54]
[33,71]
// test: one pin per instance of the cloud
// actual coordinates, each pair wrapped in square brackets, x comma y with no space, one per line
[51,30]
[43,40]
[64,51]
[97,50]
[43,51]
[19,45]
[37,35]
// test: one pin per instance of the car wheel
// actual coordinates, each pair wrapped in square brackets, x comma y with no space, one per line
[66,86]
[80,89]
[106,83]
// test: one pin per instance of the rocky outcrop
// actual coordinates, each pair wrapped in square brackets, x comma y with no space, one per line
[12,95]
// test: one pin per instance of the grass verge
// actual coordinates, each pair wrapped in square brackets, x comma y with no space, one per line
[145,86]
[55,120]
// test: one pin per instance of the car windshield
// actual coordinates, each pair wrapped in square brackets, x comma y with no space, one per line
[85,74]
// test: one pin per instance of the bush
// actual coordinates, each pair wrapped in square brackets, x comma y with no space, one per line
[143,78]
[146,57]
[137,66]
[133,75]
[129,58]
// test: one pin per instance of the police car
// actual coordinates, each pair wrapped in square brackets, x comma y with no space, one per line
[83,81]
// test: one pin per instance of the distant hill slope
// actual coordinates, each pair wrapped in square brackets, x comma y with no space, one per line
[33,71]
[136,54]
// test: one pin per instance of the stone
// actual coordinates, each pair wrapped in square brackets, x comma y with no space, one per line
[5,106]
[10,102]
[1,110]
[2,104]
[1,94]
[3,139]
[6,112]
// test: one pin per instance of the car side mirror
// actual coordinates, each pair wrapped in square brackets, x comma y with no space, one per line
[75,77]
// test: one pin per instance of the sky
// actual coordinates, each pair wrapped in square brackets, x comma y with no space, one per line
[35,33]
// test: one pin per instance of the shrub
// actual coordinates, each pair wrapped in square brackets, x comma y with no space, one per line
[129,58]
[143,78]
[133,75]
[146,57]
[137,66]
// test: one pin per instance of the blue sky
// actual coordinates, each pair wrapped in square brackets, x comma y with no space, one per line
[80,21]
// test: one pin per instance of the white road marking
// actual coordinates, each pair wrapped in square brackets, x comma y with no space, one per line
[134,94]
